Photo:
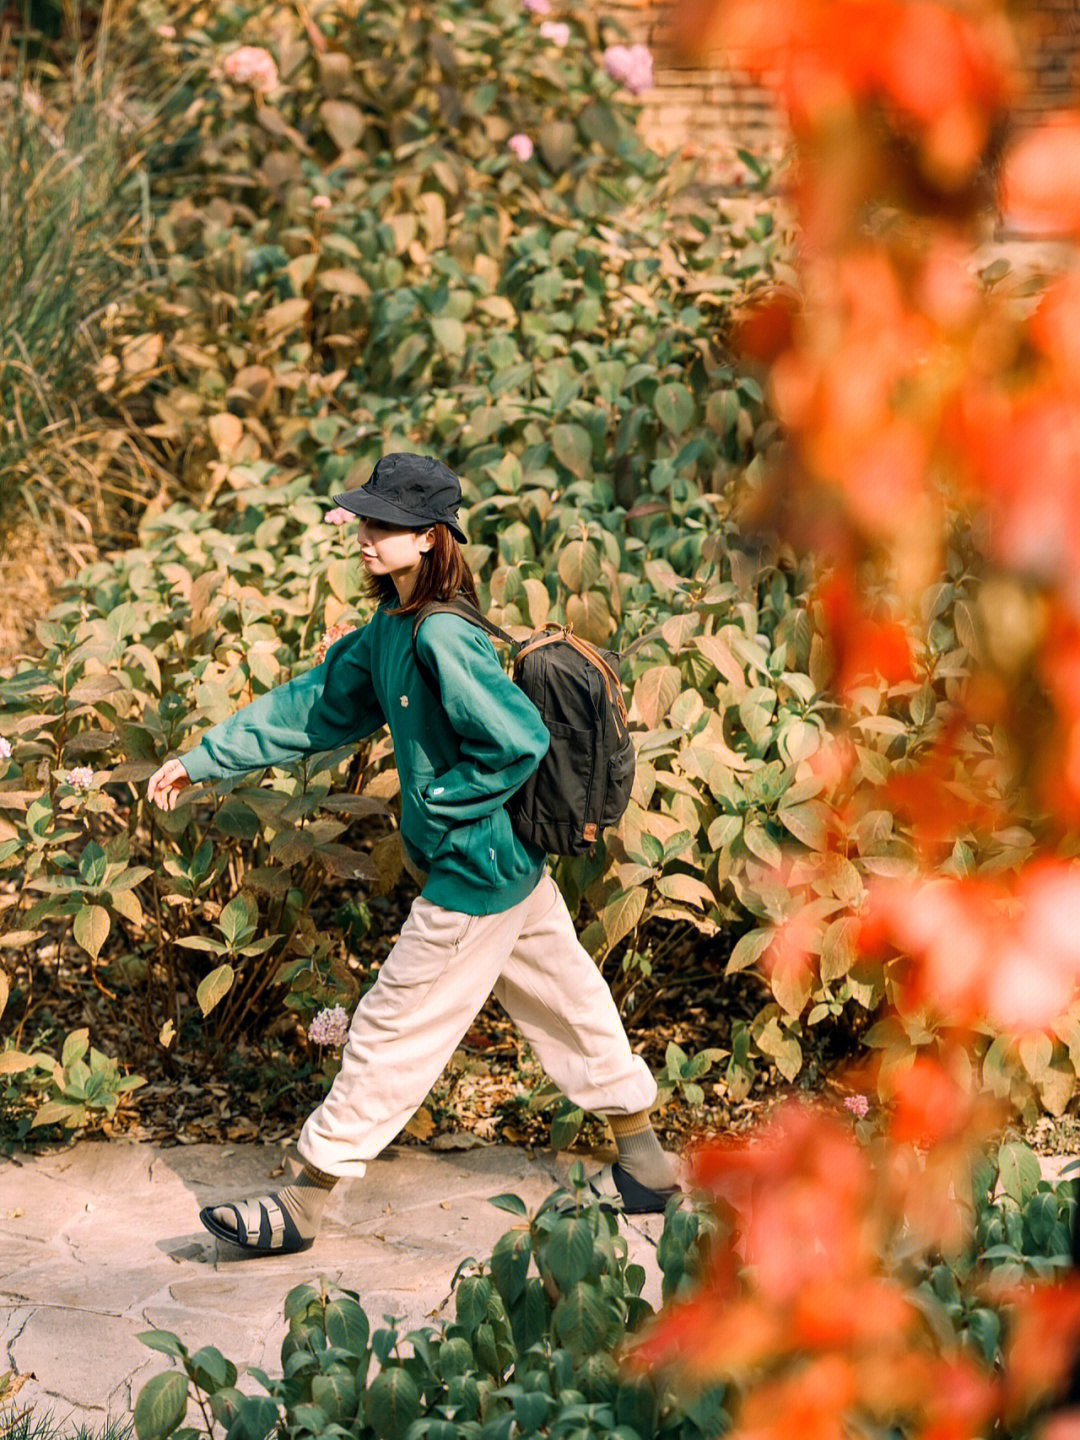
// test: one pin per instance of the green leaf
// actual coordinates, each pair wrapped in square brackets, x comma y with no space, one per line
[748,950]
[510,1265]
[781,1047]
[93,865]
[347,1326]
[471,1299]
[335,1394]
[297,1301]
[807,823]
[161,1406]
[512,1204]
[674,405]
[239,920]
[984,1327]
[565,1127]
[91,929]
[164,1341]
[760,843]
[573,448]
[59,1112]
[580,1319]
[568,1251]
[257,1418]
[1040,1217]
[1019,1170]
[214,987]
[210,1370]
[203,942]
[450,335]
[723,831]
[392,1403]
[75,1047]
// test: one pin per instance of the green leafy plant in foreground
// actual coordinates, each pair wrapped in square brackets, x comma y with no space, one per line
[539,1329]
[531,1348]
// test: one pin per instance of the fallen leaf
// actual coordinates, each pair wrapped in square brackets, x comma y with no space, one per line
[460,1140]
[422,1125]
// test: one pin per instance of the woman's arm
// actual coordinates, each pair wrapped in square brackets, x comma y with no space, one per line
[332,704]
[501,735]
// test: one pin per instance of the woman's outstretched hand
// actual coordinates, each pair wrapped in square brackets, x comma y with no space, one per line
[165,785]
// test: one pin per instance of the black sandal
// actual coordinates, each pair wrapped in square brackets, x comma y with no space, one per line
[615,1183]
[263,1226]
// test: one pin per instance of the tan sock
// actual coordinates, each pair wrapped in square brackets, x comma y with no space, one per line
[305,1200]
[640,1154]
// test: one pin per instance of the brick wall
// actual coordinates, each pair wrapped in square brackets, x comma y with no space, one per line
[712,111]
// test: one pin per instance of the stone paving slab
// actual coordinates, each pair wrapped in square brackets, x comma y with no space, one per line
[102,1240]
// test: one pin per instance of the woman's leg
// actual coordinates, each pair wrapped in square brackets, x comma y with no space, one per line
[555,994]
[404,1030]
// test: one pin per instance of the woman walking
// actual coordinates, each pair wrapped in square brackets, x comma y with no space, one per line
[489,917]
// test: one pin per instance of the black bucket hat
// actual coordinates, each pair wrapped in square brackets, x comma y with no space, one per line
[413,491]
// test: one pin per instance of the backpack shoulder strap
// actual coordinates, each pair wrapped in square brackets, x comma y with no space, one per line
[467,611]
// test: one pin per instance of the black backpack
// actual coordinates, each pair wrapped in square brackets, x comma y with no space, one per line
[584,781]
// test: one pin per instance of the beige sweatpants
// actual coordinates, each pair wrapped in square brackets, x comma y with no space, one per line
[430,988]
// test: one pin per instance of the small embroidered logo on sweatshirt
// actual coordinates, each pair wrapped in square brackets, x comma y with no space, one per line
[404,702]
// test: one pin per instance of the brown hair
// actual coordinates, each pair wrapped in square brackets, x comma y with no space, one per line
[444,574]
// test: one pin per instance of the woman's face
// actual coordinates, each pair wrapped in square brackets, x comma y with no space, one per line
[388,550]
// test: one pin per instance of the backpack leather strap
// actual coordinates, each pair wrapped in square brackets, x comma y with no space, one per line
[607,674]
[519,649]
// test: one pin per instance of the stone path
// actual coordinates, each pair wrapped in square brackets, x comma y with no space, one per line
[101,1241]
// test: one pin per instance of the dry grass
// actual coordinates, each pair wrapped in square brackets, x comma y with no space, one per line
[33,565]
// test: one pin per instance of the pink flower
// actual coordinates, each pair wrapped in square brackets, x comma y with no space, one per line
[338,516]
[5,749]
[252,65]
[330,1027]
[167,32]
[322,202]
[521,145]
[81,778]
[858,1105]
[557,31]
[332,636]
[538,7]
[630,65]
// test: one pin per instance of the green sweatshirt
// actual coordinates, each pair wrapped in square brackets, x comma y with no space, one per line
[458,761]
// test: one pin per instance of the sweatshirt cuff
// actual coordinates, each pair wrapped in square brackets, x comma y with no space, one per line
[199,765]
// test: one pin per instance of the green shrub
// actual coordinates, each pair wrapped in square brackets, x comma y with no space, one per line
[1022,1233]
[80,1088]
[534,1346]
[531,1349]
[356,262]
